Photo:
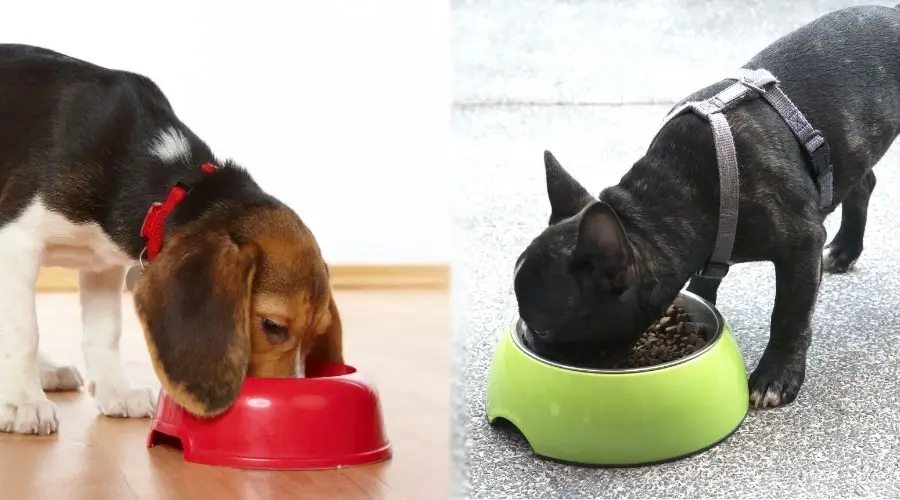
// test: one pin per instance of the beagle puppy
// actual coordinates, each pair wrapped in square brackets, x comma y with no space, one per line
[97,173]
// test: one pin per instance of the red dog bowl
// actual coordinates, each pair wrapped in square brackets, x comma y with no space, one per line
[328,420]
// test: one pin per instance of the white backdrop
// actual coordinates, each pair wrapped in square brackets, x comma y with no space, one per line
[338,107]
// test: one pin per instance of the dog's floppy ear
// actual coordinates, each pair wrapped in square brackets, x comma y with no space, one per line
[194,303]
[328,347]
[602,250]
[567,196]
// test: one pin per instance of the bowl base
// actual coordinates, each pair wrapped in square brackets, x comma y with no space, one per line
[506,425]
[160,438]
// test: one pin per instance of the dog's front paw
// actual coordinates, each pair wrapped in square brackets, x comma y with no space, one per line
[839,258]
[124,403]
[774,384]
[35,416]
[60,378]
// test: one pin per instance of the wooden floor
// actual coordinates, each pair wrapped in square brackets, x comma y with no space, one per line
[401,340]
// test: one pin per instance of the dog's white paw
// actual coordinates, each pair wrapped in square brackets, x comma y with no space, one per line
[60,378]
[836,260]
[37,416]
[124,403]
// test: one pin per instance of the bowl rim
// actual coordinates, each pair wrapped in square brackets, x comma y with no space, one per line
[710,310]
[352,372]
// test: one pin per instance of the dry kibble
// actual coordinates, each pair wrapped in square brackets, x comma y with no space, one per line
[671,337]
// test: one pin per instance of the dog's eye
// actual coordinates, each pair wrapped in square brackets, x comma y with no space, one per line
[275,333]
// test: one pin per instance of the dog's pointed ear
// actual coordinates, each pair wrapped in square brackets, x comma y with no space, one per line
[328,347]
[194,304]
[567,196]
[602,249]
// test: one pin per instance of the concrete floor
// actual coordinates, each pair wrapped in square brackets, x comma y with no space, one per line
[591,80]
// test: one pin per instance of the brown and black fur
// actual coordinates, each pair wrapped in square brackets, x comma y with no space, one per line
[606,267]
[232,254]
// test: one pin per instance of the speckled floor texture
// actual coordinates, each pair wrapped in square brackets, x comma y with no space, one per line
[591,81]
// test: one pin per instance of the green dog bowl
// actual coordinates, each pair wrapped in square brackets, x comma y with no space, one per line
[624,417]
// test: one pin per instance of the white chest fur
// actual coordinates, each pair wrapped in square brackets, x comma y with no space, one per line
[67,244]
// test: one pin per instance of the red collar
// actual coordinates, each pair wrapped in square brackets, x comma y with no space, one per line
[155,222]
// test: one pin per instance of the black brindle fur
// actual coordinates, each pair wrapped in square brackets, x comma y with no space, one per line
[606,267]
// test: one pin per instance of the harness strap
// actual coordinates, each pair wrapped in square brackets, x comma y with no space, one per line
[712,110]
[812,140]
[762,83]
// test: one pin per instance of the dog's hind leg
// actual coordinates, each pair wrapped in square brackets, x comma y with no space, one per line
[101,314]
[842,253]
[56,377]
[777,379]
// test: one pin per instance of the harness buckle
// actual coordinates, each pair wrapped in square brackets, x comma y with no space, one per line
[714,270]
[821,156]
[743,80]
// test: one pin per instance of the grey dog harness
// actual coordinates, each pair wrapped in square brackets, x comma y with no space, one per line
[751,83]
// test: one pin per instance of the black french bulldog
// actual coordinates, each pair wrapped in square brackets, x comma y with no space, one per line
[607,267]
